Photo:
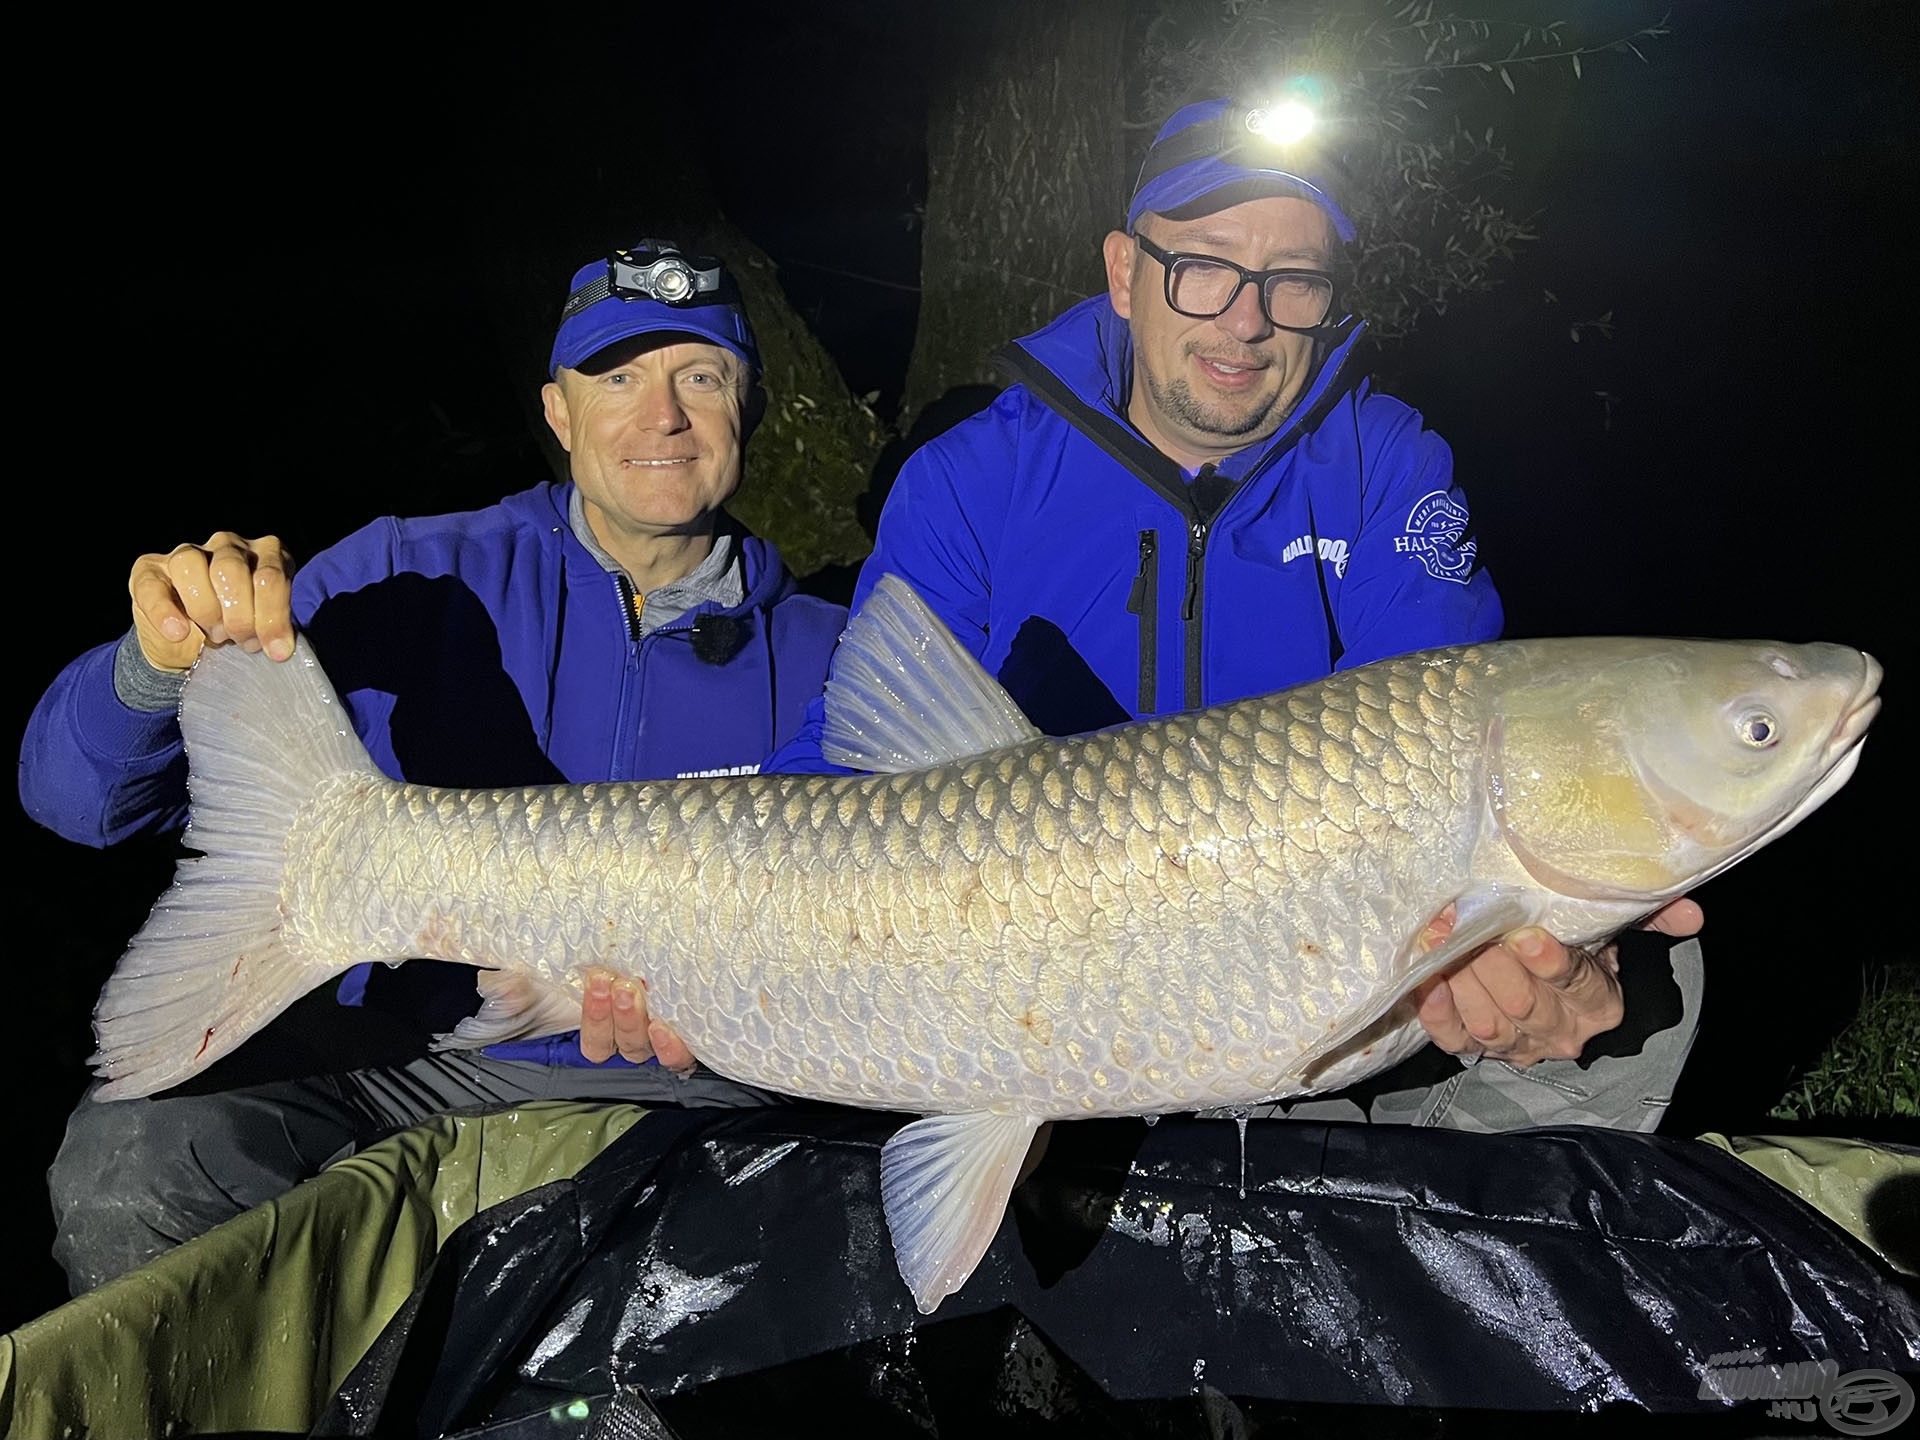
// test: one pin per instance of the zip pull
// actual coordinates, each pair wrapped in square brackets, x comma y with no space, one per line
[1137,597]
[1196,558]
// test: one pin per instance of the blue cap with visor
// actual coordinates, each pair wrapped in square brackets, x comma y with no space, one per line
[1219,146]
[652,286]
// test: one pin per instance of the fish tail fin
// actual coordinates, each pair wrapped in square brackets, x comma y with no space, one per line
[214,962]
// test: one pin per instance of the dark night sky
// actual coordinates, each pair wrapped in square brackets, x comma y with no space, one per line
[266,307]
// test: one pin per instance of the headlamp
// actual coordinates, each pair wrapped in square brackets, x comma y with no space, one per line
[651,270]
[1246,135]
[1284,124]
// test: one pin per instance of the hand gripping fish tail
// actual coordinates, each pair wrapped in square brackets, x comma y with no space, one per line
[1215,908]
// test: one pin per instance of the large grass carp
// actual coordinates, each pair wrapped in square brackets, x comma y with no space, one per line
[997,928]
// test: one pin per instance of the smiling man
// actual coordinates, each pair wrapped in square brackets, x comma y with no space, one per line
[1189,495]
[618,626]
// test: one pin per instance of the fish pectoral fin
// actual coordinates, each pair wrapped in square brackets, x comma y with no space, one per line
[944,1183]
[1480,917]
[516,1007]
[905,695]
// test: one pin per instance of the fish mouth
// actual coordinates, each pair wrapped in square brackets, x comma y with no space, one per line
[1843,748]
[1851,728]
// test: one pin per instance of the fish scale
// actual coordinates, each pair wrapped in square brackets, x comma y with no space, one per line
[994,928]
[1065,948]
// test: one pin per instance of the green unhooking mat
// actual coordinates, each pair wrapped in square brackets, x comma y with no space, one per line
[254,1326]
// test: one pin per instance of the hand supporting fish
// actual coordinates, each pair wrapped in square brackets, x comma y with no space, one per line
[614,1021]
[995,928]
[1528,998]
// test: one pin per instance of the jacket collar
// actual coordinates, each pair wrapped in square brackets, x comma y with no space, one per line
[765,576]
[1088,352]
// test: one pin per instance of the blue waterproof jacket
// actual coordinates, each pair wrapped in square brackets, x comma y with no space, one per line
[487,649]
[1101,582]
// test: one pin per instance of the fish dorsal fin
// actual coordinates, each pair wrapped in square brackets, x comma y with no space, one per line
[905,696]
[1481,916]
[944,1183]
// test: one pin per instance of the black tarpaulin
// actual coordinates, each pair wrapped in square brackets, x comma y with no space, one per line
[715,1264]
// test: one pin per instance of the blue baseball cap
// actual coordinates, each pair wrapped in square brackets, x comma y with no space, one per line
[1212,148]
[651,286]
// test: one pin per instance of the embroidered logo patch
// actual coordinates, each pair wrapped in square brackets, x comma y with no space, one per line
[1435,527]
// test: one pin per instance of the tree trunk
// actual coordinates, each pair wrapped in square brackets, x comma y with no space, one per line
[1024,178]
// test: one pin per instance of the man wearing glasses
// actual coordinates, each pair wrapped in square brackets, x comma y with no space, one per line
[1188,497]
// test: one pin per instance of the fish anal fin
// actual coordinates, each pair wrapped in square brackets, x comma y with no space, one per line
[1480,917]
[905,695]
[516,1006]
[944,1183]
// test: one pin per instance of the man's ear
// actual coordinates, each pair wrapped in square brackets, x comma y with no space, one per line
[553,404]
[752,410]
[1118,251]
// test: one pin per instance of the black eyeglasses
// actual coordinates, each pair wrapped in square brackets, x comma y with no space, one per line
[1203,286]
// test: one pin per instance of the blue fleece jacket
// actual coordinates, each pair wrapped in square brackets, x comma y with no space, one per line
[1100,582]
[488,648]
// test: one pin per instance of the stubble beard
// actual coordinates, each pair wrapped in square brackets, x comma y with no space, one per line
[1175,399]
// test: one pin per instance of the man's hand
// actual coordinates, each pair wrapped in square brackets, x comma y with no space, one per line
[613,1019]
[1529,998]
[231,590]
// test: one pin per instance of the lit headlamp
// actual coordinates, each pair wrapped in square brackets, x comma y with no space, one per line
[1286,144]
[651,270]
[1287,123]
[1249,135]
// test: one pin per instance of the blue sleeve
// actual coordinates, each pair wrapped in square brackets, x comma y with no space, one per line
[802,755]
[94,771]
[1413,578]
[927,537]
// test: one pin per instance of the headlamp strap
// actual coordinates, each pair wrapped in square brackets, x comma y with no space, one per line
[1217,136]
[700,282]
[591,293]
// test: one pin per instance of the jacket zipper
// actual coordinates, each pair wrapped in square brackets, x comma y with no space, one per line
[629,607]
[626,715]
[1193,606]
[1144,600]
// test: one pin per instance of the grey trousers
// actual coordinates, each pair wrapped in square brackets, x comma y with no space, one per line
[136,1177]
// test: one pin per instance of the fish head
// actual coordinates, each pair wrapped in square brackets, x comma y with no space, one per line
[1633,770]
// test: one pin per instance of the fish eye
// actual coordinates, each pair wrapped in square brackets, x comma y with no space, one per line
[1758,729]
